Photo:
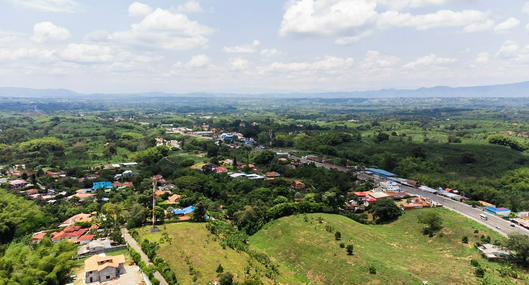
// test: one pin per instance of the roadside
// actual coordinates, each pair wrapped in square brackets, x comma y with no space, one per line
[134,245]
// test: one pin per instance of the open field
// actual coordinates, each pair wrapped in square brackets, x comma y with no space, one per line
[194,254]
[398,251]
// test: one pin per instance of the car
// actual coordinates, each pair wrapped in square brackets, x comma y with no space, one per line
[497,227]
[513,225]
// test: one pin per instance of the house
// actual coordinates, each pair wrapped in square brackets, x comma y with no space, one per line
[38,237]
[503,212]
[71,233]
[56,174]
[85,239]
[101,185]
[79,218]
[173,199]
[380,172]
[101,268]
[94,247]
[18,184]
[184,211]
[119,185]
[272,175]
[378,195]
[221,170]
[418,203]
[299,185]
[492,252]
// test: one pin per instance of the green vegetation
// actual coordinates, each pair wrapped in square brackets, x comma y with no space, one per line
[395,253]
[18,217]
[45,264]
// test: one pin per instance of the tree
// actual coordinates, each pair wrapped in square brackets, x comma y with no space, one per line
[200,212]
[226,278]
[381,137]
[337,235]
[519,244]
[264,157]
[220,269]
[136,216]
[433,222]
[464,239]
[350,249]
[385,210]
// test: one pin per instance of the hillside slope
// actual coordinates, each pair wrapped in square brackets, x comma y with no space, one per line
[398,251]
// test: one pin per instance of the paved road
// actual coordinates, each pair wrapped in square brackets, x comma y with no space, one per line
[132,243]
[495,223]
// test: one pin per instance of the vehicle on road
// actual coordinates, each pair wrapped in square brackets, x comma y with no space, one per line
[513,225]
[484,217]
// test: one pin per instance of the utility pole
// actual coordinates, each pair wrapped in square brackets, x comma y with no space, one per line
[154,185]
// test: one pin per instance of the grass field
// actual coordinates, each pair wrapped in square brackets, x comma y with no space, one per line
[398,251]
[194,255]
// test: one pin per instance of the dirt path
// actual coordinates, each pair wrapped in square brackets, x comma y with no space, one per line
[134,245]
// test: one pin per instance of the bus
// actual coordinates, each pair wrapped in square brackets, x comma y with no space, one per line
[483,217]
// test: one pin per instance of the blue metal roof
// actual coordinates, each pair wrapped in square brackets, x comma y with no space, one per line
[101,185]
[184,211]
[381,172]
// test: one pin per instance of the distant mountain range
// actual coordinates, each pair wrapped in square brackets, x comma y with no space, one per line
[520,89]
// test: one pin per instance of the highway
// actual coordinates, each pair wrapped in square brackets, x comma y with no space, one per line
[495,223]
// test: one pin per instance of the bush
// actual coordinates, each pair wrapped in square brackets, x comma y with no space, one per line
[349,249]
[342,245]
[474,263]
[464,239]
[372,269]
[479,272]
[338,235]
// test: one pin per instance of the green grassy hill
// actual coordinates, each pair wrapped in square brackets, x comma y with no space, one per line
[194,254]
[400,253]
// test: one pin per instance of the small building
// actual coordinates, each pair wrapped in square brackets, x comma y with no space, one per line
[101,268]
[299,185]
[101,185]
[184,211]
[502,212]
[38,237]
[94,247]
[221,170]
[18,184]
[173,199]
[79,218]
[71,233]
[381,172]
[272,175]
[492,252]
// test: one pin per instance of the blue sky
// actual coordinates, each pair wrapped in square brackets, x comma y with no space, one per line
[250,46]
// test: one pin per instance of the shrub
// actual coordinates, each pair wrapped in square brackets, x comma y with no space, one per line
[350,249]
[338,235]
[479,272]
[474,263]
[372,269]
[464,239]
[342,245]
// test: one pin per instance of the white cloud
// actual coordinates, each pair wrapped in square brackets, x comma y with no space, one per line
[376,60]
[512,52]
[527,27]
[55,6]
[45,31]
[270,52]
[246,48]
[328,64]
[198,61]
[469,20]
[431,60]
[190,7]
[167,30]
[483,57]
[239,64]
[400,4]
[35,55]
[344,41]
[138,9]
[326,17]
[525,8]
[352,20]
[87,53]
[506,25]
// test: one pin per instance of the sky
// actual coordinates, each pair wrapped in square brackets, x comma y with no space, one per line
[260,46]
